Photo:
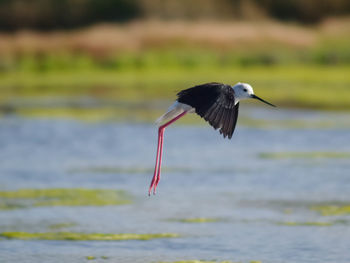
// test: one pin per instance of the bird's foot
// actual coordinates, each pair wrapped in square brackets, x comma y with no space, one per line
[153,186]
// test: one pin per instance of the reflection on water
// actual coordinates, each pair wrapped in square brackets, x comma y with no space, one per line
[276,193]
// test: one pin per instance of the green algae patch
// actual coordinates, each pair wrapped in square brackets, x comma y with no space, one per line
[292,223]
[304,155]
[61,225]
[198,261]
[332,210]
[23,198]
[9,205]
[207,261]
[91,114]
[93,257]
[83,236]
[126,170]
[196,220]
[291,124]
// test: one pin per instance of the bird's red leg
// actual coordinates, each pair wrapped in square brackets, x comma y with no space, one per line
[157,169]
[157,160]
[160,160]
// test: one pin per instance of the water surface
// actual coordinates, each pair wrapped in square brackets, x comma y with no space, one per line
[254,196]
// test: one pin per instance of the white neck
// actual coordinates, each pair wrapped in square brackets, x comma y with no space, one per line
[238,94]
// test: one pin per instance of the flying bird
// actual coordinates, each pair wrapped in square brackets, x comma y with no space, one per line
[216,103]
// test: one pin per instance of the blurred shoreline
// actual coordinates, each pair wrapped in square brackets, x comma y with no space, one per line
[293,65]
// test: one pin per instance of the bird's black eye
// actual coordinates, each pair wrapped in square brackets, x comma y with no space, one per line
[245,90]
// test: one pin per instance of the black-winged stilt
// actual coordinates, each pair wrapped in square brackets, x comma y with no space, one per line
[215,102]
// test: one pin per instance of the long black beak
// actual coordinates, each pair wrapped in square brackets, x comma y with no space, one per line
[256,97]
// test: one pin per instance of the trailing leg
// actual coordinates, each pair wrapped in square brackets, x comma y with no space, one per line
[157,169]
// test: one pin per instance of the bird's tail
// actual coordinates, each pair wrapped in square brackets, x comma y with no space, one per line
[173,111]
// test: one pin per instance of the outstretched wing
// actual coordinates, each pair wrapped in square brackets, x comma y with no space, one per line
[215,102]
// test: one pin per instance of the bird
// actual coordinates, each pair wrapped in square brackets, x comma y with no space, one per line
[216,103]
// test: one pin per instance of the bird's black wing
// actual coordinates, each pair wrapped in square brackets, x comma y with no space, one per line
[215,102]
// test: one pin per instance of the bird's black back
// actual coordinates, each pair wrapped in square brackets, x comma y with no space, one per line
[215,102]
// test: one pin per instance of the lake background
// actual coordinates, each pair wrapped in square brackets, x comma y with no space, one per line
[79,95]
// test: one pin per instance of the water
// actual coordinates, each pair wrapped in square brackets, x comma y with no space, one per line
[253,198]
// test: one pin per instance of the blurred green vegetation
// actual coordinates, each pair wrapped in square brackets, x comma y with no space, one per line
[313,86]
[309,11]
[333,54]
[53,14]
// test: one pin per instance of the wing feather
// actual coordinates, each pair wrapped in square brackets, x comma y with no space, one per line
[229,126]
[233,120]
[218,117]
[211,112]
[226,121]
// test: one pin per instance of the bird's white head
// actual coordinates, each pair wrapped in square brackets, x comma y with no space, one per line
[245,91]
